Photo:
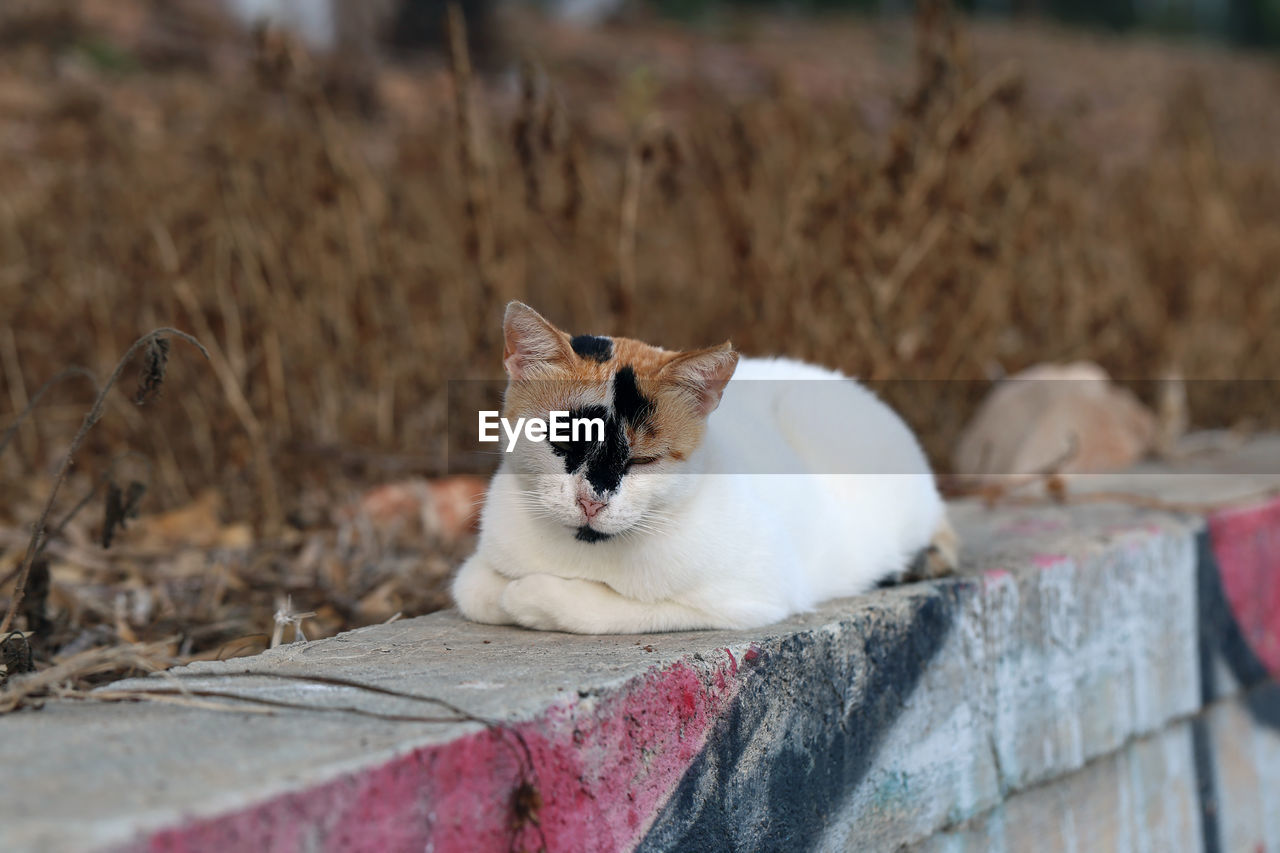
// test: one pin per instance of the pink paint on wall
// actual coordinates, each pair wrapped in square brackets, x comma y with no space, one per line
[601,769]
[1246,543]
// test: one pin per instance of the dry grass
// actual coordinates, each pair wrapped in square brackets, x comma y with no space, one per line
[943,205]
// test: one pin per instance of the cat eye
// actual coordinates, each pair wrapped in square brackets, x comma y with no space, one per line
[560,447]
[641,460]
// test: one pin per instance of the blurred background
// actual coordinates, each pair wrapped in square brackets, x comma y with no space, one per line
[337,199]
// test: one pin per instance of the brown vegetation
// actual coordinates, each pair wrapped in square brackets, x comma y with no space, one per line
[1000,198]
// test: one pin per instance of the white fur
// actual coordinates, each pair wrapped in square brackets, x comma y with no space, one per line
[715,541]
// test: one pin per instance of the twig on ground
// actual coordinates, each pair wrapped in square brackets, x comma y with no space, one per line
[526,797]
[19,690]
[285,616]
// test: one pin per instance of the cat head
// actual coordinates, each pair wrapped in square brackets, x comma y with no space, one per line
[653,405]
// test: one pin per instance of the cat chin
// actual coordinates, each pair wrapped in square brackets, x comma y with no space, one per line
[590,535]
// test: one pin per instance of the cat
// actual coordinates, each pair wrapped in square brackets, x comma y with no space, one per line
[671,522]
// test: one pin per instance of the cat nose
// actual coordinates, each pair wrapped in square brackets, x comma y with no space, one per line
[590,507]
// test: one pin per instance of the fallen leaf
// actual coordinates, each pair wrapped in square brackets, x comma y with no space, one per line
[447,508]
[196,525]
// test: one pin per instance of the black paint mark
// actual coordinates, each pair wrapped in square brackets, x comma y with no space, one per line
[1206,786]
[815,756]
[593,347]
[1219,632]
[586,534]
[1220,637]
[1263,703]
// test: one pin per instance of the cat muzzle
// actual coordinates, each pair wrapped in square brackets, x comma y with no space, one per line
[591,507]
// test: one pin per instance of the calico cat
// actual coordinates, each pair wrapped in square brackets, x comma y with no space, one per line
[667,523]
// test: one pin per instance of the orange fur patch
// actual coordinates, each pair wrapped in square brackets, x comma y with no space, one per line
[568,381]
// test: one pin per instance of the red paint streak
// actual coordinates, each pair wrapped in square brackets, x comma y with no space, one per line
[1048,561]
[1246,543]
[996,576]
[751,655]
[603,770]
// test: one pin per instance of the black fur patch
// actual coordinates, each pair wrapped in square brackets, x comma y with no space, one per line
[890,580]
[629,404]
[914,571]
[607,461]
[586,534]
[577,452]
[594,347]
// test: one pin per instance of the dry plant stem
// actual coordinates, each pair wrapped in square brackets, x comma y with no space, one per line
[238,703]
[94,415]
[144,656]
[1002,82]
[162,694]
[244,411]
[460,714]
[35,399]
[479,237]
[178,693]
[93,491]
[628,222]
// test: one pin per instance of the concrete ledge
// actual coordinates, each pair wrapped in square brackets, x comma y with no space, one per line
[1084,649]
[1209,782]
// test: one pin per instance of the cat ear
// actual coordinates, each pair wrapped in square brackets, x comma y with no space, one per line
[703,373]
[530,341]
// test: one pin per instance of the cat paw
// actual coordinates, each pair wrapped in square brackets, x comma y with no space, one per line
[941,557]
[477,590]
[537,602]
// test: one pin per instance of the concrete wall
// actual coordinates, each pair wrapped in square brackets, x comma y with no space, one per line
[1209,783]
[1072,682]
[1098,678]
